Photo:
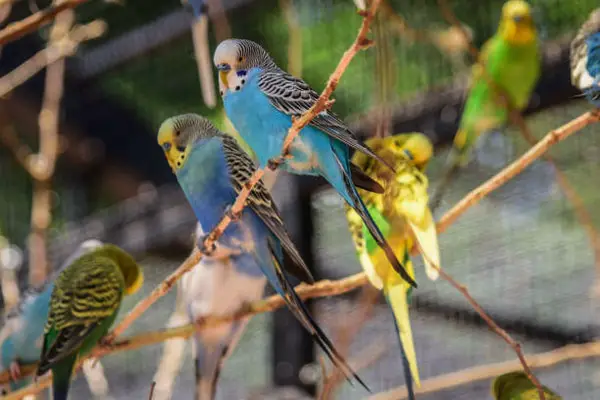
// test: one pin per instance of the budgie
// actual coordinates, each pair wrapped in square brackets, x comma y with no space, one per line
[215,287]
[585,58]
[261,99]
[402,214]
[517,386]
[212,169]
[23,326]
[509,65]
[84,303]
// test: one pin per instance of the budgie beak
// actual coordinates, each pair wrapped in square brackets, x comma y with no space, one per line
[168,148]
[223,73]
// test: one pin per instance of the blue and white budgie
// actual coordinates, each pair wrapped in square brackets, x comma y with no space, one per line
[585,58]
[23,328]
[261,99]
[212,169]
[215,287]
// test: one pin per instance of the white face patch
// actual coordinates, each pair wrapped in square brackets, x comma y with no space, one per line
[234,82]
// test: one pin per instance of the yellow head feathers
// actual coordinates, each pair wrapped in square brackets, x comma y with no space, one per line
[132,272]
[516,23]
[177,135]
[415,147]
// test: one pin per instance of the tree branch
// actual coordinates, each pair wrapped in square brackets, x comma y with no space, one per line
[361,42]
[488,371]
[32,23]
[44,161]
[62,48]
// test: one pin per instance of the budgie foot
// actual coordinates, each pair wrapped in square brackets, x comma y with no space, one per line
[15,371]
[206,250]
[274,163]
[233,216]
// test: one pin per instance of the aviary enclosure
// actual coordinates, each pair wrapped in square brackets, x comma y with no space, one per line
[85,86]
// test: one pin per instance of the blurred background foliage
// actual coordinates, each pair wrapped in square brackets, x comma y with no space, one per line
[521,251]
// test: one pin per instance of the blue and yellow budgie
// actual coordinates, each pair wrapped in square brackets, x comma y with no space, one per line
[509,65]
[23,326]
[261,99]
[517,386]
[403,216]
[585,59]
[212,169]
[84,303]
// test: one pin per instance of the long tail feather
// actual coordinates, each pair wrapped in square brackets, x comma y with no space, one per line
[397,298]
[361,209]
[364,181]
[61,377]
[295,304]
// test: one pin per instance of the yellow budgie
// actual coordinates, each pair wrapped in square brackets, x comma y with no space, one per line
[403,216]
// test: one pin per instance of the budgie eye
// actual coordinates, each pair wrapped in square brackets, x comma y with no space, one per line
[240,59]
[177,133]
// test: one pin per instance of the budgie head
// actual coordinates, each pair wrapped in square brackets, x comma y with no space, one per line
[516,24]
[233,59]
[585,58]
[516,385]
[134,278]
[415,148]
[178,134]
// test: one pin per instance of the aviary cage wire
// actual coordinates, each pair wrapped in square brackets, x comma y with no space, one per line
[521,251]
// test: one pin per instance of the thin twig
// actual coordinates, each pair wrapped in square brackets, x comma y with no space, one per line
[581,212]
[515,117]
[32,23]
[468,376]
[294,46]
[345,334]
[55,51]
[491,323]
[334,288]
[152,386]
[518,165]
[360,43]
[45,160]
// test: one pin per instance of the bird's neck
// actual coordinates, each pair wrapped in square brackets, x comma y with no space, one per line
[517,35]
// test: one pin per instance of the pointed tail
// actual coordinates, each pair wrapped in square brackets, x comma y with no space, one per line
[397,297]
[297,307]
[61,378]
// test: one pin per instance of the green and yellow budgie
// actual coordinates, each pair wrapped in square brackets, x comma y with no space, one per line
[509,65]
[84,304]
[404,218]
[517,386]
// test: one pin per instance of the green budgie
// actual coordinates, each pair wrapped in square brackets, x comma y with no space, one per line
[85,302]
[517,386]
[509,64]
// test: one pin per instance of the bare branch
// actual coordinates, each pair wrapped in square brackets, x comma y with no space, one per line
[62,48]
[361,42]
[32,23]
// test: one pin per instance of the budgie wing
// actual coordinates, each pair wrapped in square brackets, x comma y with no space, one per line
[355,224]
[292,96]
[425,234]
[241,169]
[82,299]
